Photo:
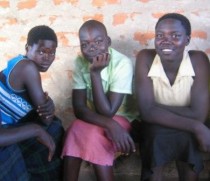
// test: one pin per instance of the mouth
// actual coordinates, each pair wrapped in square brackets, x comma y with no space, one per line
[167,51]
[45,67]
[91,56]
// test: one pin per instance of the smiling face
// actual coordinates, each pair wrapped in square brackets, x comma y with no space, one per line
[42,54]
[170,39]
[93,40]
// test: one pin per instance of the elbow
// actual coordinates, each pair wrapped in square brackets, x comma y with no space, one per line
[146,114]
[79,114]
[203,118]
[108,114]
[201,115]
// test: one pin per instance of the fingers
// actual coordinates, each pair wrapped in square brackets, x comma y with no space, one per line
[48,104]
[102,59]
[46,113]
[50,155]
[51,151]
[122,141]
[48,141]
[45,138]
[47,109]
[127,146]
[118,146]
[131,144]
[124,146]
[46,95]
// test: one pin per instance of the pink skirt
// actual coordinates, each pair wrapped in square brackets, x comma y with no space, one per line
[88,142]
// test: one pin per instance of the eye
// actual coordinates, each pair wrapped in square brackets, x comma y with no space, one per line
[158,35]
[175,35]
[98,42]
[41,52]
[83,45]
[52,53]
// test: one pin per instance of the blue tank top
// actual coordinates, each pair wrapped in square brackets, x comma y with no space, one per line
[13,104]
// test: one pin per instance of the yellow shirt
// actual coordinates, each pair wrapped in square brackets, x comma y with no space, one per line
[177,94]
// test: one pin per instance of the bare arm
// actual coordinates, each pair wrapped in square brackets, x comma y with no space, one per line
[105,104]
[151,112]
[114,131]
[31,80]
[14,135]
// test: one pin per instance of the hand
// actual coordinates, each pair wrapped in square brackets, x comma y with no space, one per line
[47,110]
[203,137]
[44,138]
[100,62]
[120,137]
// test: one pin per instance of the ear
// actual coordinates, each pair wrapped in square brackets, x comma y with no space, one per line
[26,47]
[109,41]
[188,40]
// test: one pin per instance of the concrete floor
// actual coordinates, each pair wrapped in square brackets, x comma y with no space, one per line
[129,169]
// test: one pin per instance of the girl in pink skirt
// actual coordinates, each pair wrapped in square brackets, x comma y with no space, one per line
[101,81]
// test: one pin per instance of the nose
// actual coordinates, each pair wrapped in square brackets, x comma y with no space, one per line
[92,47]
[46,56]
[166,37]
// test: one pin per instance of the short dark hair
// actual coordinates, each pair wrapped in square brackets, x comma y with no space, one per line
[184,21]
[93,23]
[41,32]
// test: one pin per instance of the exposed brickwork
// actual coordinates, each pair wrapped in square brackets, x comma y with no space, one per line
[4,4]
[199,34]
[28,4]
[99,17]
[119,18]
[142,37]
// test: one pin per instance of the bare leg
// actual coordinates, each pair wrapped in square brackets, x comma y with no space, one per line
[71,168]
[185,172]
[104,173]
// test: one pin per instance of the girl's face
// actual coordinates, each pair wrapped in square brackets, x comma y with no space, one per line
[93,42]
[42,54]
[170,39]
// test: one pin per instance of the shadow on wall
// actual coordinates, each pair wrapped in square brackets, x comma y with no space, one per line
[130,47]
[126,47]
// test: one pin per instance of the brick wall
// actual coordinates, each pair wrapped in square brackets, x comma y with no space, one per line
[130,24]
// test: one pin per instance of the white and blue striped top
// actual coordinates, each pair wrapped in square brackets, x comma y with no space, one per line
[13,105]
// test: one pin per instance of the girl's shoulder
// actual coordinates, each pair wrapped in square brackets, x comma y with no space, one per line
[198,57]
[200,61]
[146,56]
